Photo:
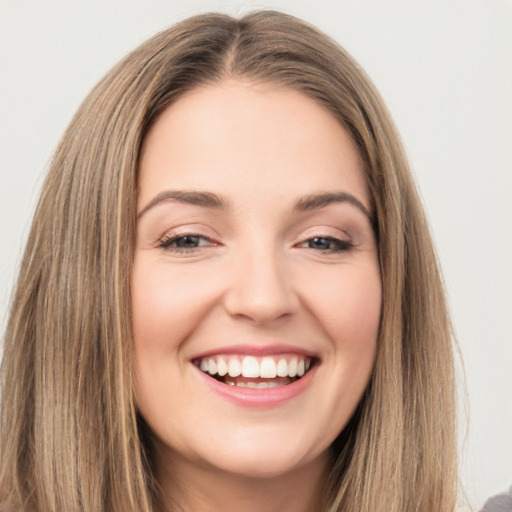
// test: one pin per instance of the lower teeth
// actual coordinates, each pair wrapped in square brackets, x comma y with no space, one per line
[256,383]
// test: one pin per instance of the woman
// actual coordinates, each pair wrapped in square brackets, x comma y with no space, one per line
[229,298]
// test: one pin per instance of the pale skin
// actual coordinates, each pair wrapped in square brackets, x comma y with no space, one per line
[254,234]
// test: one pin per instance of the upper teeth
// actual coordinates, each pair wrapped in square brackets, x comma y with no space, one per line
[253,367]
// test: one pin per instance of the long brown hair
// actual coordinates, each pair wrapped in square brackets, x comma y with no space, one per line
[70,436]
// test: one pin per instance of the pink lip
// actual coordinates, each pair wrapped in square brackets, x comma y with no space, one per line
[255,350]
[248,397]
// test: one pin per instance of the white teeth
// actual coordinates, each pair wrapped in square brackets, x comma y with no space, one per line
[292,367]
[268,368]
[222,367]
[250,367]
[212,367]
[282,368]
[255,385]
[235,368]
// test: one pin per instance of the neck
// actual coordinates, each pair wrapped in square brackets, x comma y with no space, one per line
[187,487]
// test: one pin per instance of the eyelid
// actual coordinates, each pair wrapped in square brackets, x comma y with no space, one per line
[337,241]
[165,241]
[192,229]
[342,245]
[326,232]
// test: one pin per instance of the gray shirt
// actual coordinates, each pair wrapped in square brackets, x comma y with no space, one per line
[499,503]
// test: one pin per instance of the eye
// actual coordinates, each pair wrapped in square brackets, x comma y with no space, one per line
[327,244]
[185,243]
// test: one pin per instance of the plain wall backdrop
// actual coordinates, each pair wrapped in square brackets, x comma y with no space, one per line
[444,67]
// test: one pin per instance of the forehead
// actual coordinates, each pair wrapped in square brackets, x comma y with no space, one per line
[239,137]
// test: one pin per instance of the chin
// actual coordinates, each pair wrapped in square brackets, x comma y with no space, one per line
[276,458]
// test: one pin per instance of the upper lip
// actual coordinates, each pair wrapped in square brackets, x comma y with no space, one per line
[256,350]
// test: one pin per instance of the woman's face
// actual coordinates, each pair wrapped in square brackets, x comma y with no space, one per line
[256,285]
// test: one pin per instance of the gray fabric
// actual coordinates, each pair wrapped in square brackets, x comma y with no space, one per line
[499,503]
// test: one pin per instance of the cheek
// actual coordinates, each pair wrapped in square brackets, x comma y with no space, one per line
[164,310]
[165,304]
[352,309]
[348,304]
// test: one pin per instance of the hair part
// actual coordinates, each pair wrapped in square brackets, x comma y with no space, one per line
[70,435]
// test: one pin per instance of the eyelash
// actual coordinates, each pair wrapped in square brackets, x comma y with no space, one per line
[169,243]
[335,244]
[338,245]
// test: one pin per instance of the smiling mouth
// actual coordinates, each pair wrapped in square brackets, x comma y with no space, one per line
[255,372]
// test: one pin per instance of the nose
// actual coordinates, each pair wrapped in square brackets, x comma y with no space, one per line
[260,288]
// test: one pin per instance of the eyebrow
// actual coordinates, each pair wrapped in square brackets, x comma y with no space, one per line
[316,201]
[211,200]
[198,198]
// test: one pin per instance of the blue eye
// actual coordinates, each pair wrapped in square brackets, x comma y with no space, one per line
[185,243]
[327,244]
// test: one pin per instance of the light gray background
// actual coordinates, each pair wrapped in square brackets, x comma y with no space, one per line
[444,68]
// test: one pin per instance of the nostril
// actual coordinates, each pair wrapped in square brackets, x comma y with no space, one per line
[261,290]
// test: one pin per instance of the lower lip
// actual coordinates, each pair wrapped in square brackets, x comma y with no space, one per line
[249,397]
